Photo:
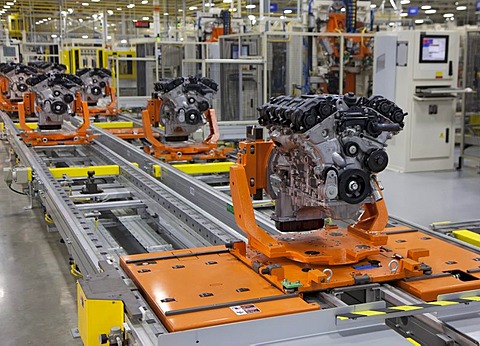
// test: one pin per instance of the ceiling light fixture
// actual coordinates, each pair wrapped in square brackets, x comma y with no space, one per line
[130,5]
[404,14]
[95,0]
[250,6]
[10,3]
[53,36]
[287,11]
[193,8]
[459,8]
[404,2]
[145,18]
[123,41]
[426,7]
[448,15]
[165,14]
[373,6]
[6,6]
[144,2]
[419,21]
[84,36]
[119,8]
[85,4]
[432,11]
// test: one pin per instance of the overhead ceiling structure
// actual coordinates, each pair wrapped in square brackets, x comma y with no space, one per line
[44,13]
[438,11]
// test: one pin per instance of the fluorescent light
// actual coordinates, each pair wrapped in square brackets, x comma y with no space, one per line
[426,7]
[85,36]
[144,2]
[123,41]
[404,14]
[110,12]
[134,20]
[419,21]
[287,11]
[180,10]
[70,10]
[452,19]
[119,8]
[391,24]
[373,6]
[193,8]
[130,5]
[95,0]
[49,18]
[109,37]
[10,3]
[459,8]
[145,18]
[227,1]
[404,2]
[165,14]
[250,6]
[53,36]
[6,6]
[208,4]
[432,11]
[448,15]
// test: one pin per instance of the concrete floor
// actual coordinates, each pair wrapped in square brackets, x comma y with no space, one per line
[428,197]
[37,291]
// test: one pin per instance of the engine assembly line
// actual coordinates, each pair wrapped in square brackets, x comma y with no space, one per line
[130,217]
[240,173]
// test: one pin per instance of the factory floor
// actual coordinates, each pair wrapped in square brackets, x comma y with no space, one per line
[37,291]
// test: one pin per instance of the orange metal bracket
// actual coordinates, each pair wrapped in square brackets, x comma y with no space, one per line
[183,151]
[110,110]
[80,136]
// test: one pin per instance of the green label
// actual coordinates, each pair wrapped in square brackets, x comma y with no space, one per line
[230,208]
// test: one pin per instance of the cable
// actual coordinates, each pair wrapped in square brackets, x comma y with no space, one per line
[20,193]
[75,272]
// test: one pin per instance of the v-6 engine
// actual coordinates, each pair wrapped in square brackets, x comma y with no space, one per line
[54,93]
[184,101]
[328,149]
[95,81]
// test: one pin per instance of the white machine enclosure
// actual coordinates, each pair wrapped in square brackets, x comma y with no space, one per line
[418,70]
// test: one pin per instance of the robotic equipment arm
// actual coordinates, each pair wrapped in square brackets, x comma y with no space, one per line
[327,151]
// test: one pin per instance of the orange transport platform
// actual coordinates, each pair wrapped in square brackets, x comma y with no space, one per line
[209,286]
[204,287]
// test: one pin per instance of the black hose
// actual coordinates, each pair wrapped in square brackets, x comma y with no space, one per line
[20,193]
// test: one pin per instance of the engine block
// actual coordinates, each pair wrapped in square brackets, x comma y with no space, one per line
[17,75]
[95,81]
[55,93]
[327,151]
[184,101]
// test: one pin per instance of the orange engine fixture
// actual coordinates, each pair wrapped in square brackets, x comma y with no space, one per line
[312,168]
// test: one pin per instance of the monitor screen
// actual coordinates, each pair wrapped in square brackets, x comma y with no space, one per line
[433,48]
[9,51]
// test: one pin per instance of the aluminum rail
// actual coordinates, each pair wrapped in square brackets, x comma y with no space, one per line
[214,203]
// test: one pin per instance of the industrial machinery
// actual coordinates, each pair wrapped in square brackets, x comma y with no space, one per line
[14,88]
[97,90]
[164,262]
[418,70]
[9,53]
[357,54]
[182,106]
[54,96]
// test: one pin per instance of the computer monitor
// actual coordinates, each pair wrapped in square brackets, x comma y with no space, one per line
[433,49]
